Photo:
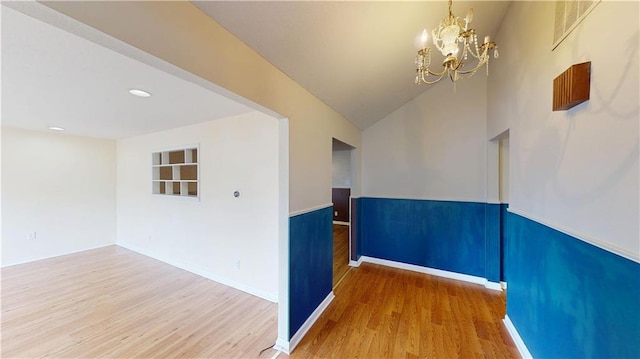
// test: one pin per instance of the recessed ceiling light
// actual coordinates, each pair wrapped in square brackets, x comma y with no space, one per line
[139,93]
[56,128]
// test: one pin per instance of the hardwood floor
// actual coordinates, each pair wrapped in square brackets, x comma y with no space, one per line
[340,252]
[111,302]
[382,312]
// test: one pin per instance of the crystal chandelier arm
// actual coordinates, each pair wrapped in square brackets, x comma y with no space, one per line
[423,61]
[424,80]
[424,74]
[482,50]
[469,73]
[483,58]
[441,73]
[473,70]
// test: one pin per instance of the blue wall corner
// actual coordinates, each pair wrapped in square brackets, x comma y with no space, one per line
[437,234]
[568,298]
[356,229]
[503,239]
[310,264]
[492,244]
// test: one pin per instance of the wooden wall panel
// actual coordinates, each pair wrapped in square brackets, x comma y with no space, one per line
[572,87]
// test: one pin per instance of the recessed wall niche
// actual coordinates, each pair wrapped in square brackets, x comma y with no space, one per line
[175,172]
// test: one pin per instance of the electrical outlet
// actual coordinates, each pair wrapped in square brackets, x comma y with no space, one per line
[238,264]
[335,213]
[31,236]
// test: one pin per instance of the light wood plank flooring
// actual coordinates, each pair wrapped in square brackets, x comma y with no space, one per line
[382,312]
[340,252]
[111,302]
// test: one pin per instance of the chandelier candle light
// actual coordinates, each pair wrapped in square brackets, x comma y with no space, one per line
[447,37]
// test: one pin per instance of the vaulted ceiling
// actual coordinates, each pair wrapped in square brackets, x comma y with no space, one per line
[357,57]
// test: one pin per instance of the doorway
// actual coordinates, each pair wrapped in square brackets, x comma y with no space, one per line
[498,195]
[342,183]
[503,194]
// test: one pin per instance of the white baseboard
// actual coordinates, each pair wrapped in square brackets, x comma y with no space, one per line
[493,285]
[517,340]
[341,223]
[66,253]
[503,285]
[204,273]
[432,271]
[296,338]
[282,345]
[355,263]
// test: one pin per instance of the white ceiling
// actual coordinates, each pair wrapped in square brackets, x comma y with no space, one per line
[356,56]
[54,78]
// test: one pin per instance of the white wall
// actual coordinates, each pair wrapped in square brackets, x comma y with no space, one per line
[341,169]
[576,170]
[186,42]
[158,28]
[62,188]
[211,235]
[433,147]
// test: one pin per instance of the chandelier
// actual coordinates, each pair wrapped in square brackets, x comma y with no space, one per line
[448,37]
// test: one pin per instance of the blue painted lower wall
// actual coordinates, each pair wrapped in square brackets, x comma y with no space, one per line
[310,264]
[503,239]
[461,237]
[568,298]
[492,242]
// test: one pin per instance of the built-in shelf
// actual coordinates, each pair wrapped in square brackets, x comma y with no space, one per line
[175,172]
